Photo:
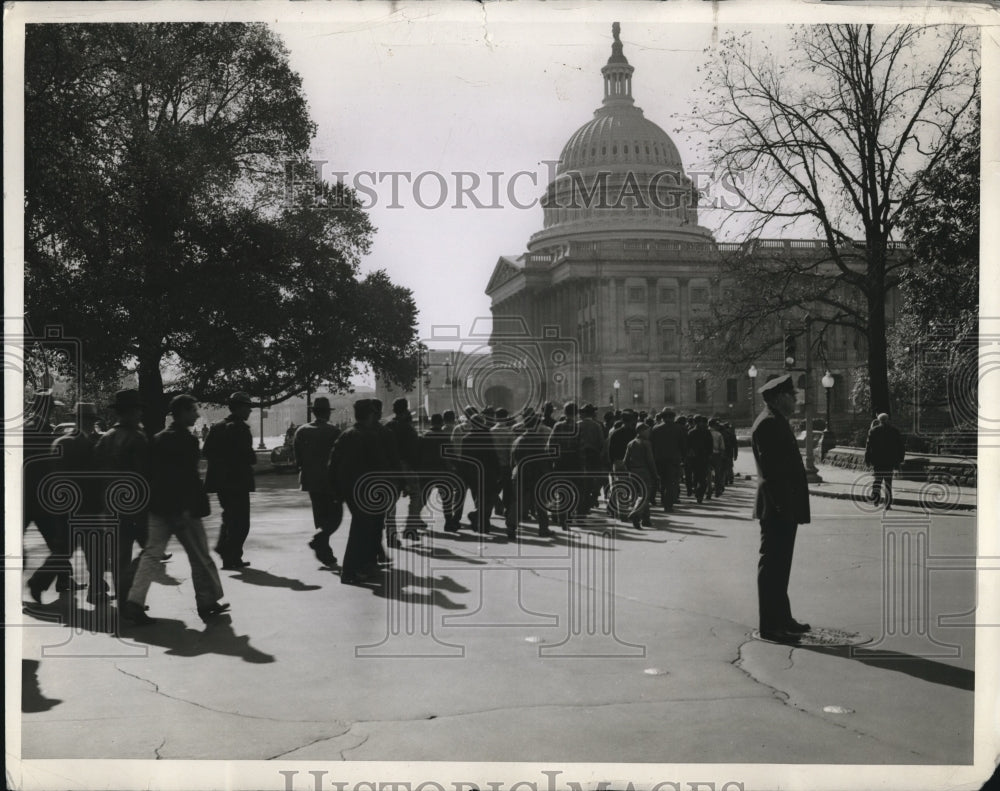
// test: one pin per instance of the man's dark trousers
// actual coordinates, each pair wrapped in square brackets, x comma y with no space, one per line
[777,542]
[882,475]
[328,513]
[235,524]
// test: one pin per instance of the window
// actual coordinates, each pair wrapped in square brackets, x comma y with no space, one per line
[670,391]
[636,340]
[636,294]
[731,391]
[668,338]
[668,295]
[699,295]
[698,329]
[638,392]
[701,391]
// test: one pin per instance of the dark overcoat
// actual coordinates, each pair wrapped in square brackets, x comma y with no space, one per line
[782,489]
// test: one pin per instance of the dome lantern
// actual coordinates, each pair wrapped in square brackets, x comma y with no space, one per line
[617,73]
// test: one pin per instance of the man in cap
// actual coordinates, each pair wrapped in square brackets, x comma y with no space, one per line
[620,436]
[178,503]
[884,451]
[230,454]
[124,450]
[407,443]
[74,461]
[782,505]
[311,447]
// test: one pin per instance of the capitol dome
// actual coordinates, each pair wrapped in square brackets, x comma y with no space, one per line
[619,176]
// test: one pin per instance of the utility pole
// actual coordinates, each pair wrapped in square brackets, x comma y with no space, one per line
[812,474]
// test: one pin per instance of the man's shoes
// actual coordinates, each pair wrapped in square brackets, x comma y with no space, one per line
[780,636]
[209,611]
[796,627]
[353,579]
[166,557]
[99,598]
[235,565]
[411,534]
[452,527]
[36,590]
[544,532]
[136,613]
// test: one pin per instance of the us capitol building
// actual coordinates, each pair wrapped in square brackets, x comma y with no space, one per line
[616,285]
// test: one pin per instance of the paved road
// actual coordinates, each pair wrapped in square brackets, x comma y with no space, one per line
[631,647]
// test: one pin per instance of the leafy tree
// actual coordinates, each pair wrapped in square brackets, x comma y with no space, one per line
[828,136]
[159,223]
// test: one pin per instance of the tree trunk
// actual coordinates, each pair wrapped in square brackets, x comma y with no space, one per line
[151,390]
[878,370]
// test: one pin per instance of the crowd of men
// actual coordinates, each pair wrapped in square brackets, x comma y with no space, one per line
[529,468]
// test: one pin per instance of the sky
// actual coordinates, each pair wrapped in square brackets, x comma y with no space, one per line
[439,97]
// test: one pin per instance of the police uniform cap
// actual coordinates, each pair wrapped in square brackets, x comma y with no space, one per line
[780,384]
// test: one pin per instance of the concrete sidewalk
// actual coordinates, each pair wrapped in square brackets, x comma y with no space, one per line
[857,486]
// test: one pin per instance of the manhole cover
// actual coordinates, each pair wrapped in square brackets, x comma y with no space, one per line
[823,636]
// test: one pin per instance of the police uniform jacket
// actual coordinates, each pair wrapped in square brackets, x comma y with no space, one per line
[782,489]
[230,454]
[312,445]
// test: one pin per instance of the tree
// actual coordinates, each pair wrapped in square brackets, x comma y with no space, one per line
[826,139]
[159,224]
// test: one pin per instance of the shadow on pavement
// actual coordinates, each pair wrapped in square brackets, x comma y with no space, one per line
[218,637]
[917,666]
[32,699]
[265,578]
[399,584]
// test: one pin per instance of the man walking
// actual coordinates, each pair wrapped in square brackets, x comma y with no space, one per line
[568,464]
[700,449]
[124,449]
[669,445]
[407,444]
[884,451]
[358,452]
[782,505]
[230,454]
[177,504]
[438,470]
[74,458]
[311,446]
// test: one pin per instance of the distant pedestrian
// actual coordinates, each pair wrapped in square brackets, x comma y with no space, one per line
[700,448]
[719,453]
[478,452]
[621,435]
[640,462]
[437,470]
[592,441]
[782,504]
[884,451]
[357,454]
[124,450]
[531,462]
[312,445]
[669,441]
[407,442]
[568,464]
[231,458]
[178,503]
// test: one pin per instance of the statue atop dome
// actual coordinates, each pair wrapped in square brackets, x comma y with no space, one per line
[617,56]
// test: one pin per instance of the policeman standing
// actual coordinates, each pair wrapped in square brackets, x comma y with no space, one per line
[782,505]
[230,454]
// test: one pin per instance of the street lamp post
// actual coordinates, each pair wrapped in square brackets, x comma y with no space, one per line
[618,386]
[263,414]
[827,441]
[752,373]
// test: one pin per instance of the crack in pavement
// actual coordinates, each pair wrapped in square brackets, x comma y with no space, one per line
[310,744]
[156,750]
[158,691]
[786,699]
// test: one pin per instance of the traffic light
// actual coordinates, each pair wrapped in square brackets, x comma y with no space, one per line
[789,351]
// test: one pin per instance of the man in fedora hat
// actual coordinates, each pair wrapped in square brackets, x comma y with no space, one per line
[230,454]
[782,505]
[312,445]
[73,461]
[124,450]
[591,452]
